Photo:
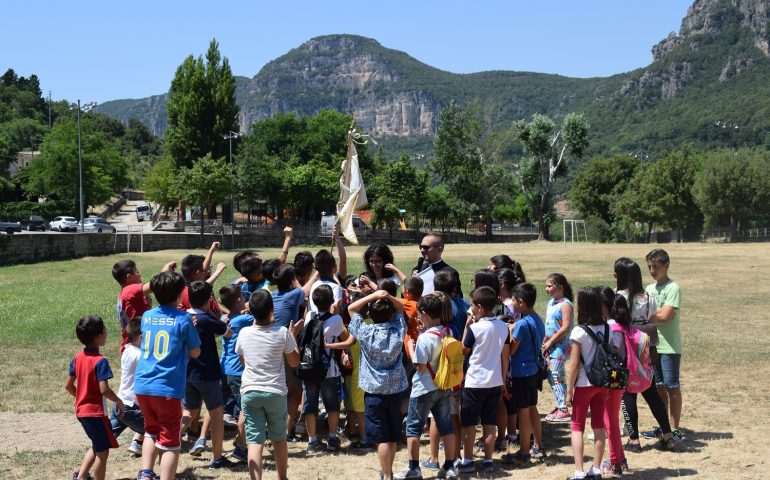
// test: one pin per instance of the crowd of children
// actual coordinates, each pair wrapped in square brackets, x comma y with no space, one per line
[298,336]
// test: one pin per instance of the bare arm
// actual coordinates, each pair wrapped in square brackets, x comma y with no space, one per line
[107,393]
[468,323]
[287,235]
[566,323]
[213,278]
[70,385]
[292,358]
[169,267]
[394,269]
[664,314]
[194,352]
[346,341]
[356,306]
[210,254]
[342,265]
[505,358]
[572,371]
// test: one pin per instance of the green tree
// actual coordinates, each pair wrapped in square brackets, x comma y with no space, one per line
[207,183]
[161,184]
[17,135]
[733,186]
[401,183]
[549,148]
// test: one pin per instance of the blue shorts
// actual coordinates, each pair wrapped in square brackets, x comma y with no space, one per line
[233,399]
[435,402]
[382,417]
[667,370]
[479,403]
[99,431]
[209,393]
[330,393]
[132,418]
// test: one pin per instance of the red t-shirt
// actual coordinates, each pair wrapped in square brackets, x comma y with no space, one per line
[132,302]
[184,303]
[89,368]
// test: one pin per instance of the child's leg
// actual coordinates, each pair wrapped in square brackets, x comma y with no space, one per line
[580,402]
[100,464]
[281,456]
[556,381]
[469,437]
[434,442]
[310,409]
[255,461]
[631,416]
[525,430]
[489,440]
[293,398]
[612,425]
[675,406]
[512,424]
[534,421]
[598,404]
[360,418]
[206,425]
[86,464]
[241,440]
[386,453]
[168,462]
[217,424]
[502,421]
[442,422]
[330,393]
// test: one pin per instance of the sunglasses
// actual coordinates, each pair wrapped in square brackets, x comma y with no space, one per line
[427,247]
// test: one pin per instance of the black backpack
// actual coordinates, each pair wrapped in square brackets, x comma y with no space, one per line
[313,359]
[608,369]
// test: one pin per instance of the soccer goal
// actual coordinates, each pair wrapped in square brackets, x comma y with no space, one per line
[572,228]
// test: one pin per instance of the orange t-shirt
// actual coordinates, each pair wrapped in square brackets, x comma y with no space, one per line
[410,311]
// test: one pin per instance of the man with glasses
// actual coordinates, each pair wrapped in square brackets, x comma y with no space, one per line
[431,248]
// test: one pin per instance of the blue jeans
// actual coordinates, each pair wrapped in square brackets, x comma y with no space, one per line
[436,402]
[233,401]
[132,418]
[667,370]
[329,389]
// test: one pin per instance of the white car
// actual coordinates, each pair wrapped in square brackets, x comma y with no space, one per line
[97,225]
[64,224]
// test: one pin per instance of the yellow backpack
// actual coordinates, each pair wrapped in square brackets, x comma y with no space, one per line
[450,365]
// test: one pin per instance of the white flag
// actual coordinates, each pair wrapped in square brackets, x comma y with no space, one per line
[352,192]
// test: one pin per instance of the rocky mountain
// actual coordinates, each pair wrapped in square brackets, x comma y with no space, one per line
[712,73]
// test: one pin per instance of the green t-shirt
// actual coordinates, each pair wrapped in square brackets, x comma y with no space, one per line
[669,333]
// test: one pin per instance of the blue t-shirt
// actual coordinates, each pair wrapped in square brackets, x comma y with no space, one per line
[287,305]
[167,336]
[247,288]
[524,361]
[231,364]
[206,367]
[459,316]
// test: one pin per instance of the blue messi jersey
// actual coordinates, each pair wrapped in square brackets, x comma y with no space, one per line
[231,363]
[167,336]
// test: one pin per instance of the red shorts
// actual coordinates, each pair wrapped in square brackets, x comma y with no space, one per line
[162,420]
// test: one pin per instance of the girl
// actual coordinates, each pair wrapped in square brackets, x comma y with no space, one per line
[581,395]
[558,325]
[504,261]
[643,308]
[508,280]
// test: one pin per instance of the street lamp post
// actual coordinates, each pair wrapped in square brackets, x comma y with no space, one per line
[230,136]
[86,107]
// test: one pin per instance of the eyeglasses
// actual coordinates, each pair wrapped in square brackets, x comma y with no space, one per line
[376,262]
[427,247]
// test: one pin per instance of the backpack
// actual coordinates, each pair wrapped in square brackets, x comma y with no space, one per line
[637,358]
[313,359]
[608,369]
[450,365]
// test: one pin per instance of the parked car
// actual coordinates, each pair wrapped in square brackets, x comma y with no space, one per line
[10,227]
[33,222]
[64,224]
[362,229]
[143,212]
[97,225]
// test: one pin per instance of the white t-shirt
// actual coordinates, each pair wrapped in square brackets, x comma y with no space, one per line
[643,308]
[333,328]
[128,362]
[485,338]
[587,350]
[263,349]
[335,288]
[427,350]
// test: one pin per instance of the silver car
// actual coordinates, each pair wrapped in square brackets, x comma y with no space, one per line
[97,225]
[64,224]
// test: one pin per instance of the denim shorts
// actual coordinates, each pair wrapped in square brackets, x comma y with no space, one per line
[233,400]
[667,370]
[132,418]
[209,393]
[329,389]
[435,402]
[265,416]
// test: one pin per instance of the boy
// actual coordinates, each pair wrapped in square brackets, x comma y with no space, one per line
[132,416]
[486,341]
[327,268]
[230,296]
[134,296]
[668,296]
[413,287]
[251,268]
[88,375]
[204,374]
[526,339]
[268,270]
[169,338]
[303,266]
[425,396]
[198,268]
[329,388]
[382,376]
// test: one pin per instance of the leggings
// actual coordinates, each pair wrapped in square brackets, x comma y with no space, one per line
[556,380]
[612,425]
[657,407]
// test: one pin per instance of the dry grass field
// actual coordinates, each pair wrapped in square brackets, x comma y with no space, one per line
[725,366]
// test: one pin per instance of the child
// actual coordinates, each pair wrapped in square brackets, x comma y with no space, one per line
[268,269]
[558,325]
[382,376]
[134,298]
[251,269]
[329,389]
[132,415]
[230,296]
[198,268]
[526,338]
[581,395]
[303,266]
[412,292]
[425,396]
[667,362]
[169,338]
[508,282]
[354,396]
[263,348]
[204,374]
[486,342]
[327,268]
[88,375]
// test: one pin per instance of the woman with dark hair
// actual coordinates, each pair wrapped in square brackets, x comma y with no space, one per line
[504,261]
[378,264]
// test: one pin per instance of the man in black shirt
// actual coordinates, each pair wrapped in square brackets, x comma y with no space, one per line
[431,248]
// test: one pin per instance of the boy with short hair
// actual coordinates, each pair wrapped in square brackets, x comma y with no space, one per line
[89,372]
[204,374]
[169,338]
[382,376]
[268,270]
[445,281]
[326,266]
[668,361]
[198,268]
[413,287]
[526,340]
[303,266]
[486,342]
[132,415]
[251,269]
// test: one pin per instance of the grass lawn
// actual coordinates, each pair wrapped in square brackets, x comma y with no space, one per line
[724,369]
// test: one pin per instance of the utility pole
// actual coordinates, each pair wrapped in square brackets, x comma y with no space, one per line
[230,136]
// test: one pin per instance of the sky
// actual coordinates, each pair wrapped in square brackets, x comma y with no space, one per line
[106,50]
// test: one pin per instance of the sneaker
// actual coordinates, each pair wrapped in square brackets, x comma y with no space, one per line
[652,434]
[632,447]
[624,466]
[487,466]
[466,467]
[517,459]
[512,439]
[408,473]
[450,472]
[221,462]
[537,451]
[75,476]
[561,416]
[135,448]
[230,421]
[666,445]
[678,435]
[144,475]
[240,453]
[198,447]
[333,444]
[359,446]
[501,445]
[316,447]
[549,417]
[293,438]
[611,469]
[430,465]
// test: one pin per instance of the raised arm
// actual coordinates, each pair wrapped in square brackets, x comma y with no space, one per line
[394,269]
[287,235]
[214,276]
[342,263]
[210,254]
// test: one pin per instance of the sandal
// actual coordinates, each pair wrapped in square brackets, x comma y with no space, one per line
[633,447]
[666,445]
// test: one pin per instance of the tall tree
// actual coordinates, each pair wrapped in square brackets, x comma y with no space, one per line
[549,147]
[207,183]
[600,182]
